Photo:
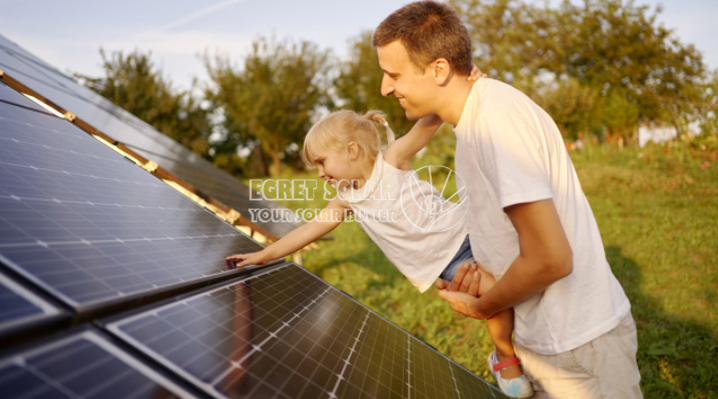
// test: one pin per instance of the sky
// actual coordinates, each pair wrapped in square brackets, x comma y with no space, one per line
[69,34]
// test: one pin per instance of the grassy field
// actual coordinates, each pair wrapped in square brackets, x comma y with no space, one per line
[657,208]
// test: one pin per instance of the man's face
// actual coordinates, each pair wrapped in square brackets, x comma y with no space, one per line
[414,89]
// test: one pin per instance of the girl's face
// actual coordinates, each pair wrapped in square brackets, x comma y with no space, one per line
[336,168]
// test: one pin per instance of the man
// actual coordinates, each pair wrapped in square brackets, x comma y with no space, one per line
[529,222]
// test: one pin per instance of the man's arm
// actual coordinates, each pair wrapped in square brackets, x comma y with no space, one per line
[545,257]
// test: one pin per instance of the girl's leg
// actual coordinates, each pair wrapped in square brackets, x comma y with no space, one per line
[501,327]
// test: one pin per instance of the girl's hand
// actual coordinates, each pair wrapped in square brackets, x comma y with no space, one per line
[476,73]
[252,258]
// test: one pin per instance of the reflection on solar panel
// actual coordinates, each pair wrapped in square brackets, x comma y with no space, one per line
[136,134]
[287,334]
[83,365]
[89,226]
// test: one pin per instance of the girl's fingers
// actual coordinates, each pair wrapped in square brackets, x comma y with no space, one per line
[459,277]
[468,278]
[475,283]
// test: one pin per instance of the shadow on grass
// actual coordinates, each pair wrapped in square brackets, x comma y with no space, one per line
[675,356]
[372,260]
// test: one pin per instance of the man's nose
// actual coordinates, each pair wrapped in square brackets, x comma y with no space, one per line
[387,86]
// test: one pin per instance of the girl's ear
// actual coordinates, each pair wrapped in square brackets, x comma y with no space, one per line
[353,150]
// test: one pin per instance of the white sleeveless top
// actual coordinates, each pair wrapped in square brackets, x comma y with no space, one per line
[416,228]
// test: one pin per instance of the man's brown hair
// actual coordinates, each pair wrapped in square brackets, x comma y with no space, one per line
[429,30]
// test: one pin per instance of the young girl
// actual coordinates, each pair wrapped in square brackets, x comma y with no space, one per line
[422,234]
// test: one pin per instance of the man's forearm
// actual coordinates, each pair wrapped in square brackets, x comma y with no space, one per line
[545,257]
[522,280]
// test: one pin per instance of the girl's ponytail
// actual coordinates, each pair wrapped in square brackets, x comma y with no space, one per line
[380,118]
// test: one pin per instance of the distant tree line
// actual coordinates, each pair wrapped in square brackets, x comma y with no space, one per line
[600,68]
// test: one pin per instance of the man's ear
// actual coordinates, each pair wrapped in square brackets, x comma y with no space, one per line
[441,71]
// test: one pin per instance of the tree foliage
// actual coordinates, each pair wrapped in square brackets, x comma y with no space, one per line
[600,67]
[269,103]
[612,47]
[132,82]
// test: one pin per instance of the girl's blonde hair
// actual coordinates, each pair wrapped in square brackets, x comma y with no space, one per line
[335,131]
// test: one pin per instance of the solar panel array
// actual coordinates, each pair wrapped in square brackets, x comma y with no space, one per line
[113,284]
[91,227]
[286,333]
[94,110]
[82,365]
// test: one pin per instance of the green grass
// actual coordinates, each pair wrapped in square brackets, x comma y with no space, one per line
[657,209]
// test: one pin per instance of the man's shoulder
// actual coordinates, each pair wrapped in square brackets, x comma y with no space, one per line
[491,96]
[495,87]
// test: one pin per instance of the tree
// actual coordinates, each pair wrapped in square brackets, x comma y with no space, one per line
[620,48]
[270,102]
[610,46]
[574,108]
[132,83]
[512,41]
[707,109]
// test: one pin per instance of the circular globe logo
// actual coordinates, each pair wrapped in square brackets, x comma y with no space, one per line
[435,199]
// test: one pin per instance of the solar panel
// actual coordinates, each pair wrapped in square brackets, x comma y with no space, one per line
[284,333]
[13,97]
[136,134]
[92,228]
[83,365]
[20,308]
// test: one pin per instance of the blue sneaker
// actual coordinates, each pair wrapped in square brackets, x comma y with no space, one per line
[518,387]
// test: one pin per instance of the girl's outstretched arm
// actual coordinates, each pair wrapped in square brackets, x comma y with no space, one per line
[326,221]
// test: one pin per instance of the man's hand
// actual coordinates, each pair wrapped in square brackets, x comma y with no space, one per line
[463,291]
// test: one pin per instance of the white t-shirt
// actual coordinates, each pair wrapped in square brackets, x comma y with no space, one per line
[409,220]
[511,152]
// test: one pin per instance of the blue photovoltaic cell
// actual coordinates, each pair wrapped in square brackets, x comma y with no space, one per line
[19,306]
[287,334]
[136,134]
[83,365]
[90,226]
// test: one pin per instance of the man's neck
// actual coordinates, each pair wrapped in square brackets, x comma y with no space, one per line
[455,95]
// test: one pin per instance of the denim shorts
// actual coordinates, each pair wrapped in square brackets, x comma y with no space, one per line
[462,255]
